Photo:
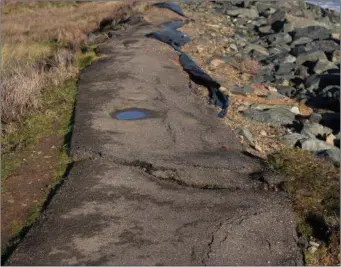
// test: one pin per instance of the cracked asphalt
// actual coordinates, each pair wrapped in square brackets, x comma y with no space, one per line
[174,189]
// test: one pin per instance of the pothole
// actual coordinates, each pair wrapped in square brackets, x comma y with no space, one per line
[133,114]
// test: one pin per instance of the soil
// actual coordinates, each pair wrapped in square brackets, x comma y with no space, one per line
[28,185]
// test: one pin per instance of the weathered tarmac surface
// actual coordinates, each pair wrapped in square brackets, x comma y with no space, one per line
[161,190]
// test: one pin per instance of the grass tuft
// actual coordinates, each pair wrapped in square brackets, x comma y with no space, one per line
[313,185]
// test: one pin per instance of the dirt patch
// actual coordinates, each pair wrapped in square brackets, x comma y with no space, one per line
[28,185]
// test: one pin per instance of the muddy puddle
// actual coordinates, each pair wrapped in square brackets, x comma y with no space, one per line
[134,114]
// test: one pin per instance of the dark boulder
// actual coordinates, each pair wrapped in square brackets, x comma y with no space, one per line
[285,68]
[286,90]
[302,72]
[310,56]
[312,32]
[278,38]
[323,45]
[273,116]
[301,41]
[278,15]
[323,65]
[331,120]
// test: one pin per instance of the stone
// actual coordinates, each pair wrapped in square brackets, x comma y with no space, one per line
[327,46]
[279,38]
[242,90]
[286,90]
[243,12]
[313,32]
[323,65]
[295,110]
[335,57]
[254,47]
[285,68]
[330,139]
[332,154]
[289,59]
[278,15]
[275,96]
[233,47]
[312,249]
[247,134]
[216,63]
[274,116]
[265,29]
[314,129]
[311,57]
[288,27]
[314,144]
[315,117]
[294,139]
[302,72]
[301,41]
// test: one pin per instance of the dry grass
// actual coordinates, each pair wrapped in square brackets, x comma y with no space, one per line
[36,41]
[314,187]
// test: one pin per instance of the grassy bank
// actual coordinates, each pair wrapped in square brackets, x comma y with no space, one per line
[313,185]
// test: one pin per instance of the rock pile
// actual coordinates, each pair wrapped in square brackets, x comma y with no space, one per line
[302,62]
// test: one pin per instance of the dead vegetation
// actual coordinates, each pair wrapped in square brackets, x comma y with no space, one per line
[39,44]
[314,187]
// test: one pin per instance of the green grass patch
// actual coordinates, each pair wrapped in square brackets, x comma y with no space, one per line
[314,187]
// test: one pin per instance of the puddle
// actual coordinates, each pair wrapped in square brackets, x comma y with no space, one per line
[133,114]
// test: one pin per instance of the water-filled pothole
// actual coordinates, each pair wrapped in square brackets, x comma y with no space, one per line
[133,114]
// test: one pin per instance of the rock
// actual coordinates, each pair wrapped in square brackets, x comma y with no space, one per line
[286,90]
[265,29]
[275,96]
[215,63]
[301,41]
[313,129]
[254,47]
[294,139]
[275,116]
[278,15]
[279,38]
[289,59]
[295,110]
[314,144]
[331,91]
[336,36]
[315,117]
[243,12]
[233,47]
[323,65]
[242,90]
[246,133]
[330,139]
[285,68]
[302,72]
[94,38]
[288,27]
[312,250]
[311,57]
[335,57]
[327,46]
[312,32]
[330,154]
[331,120]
